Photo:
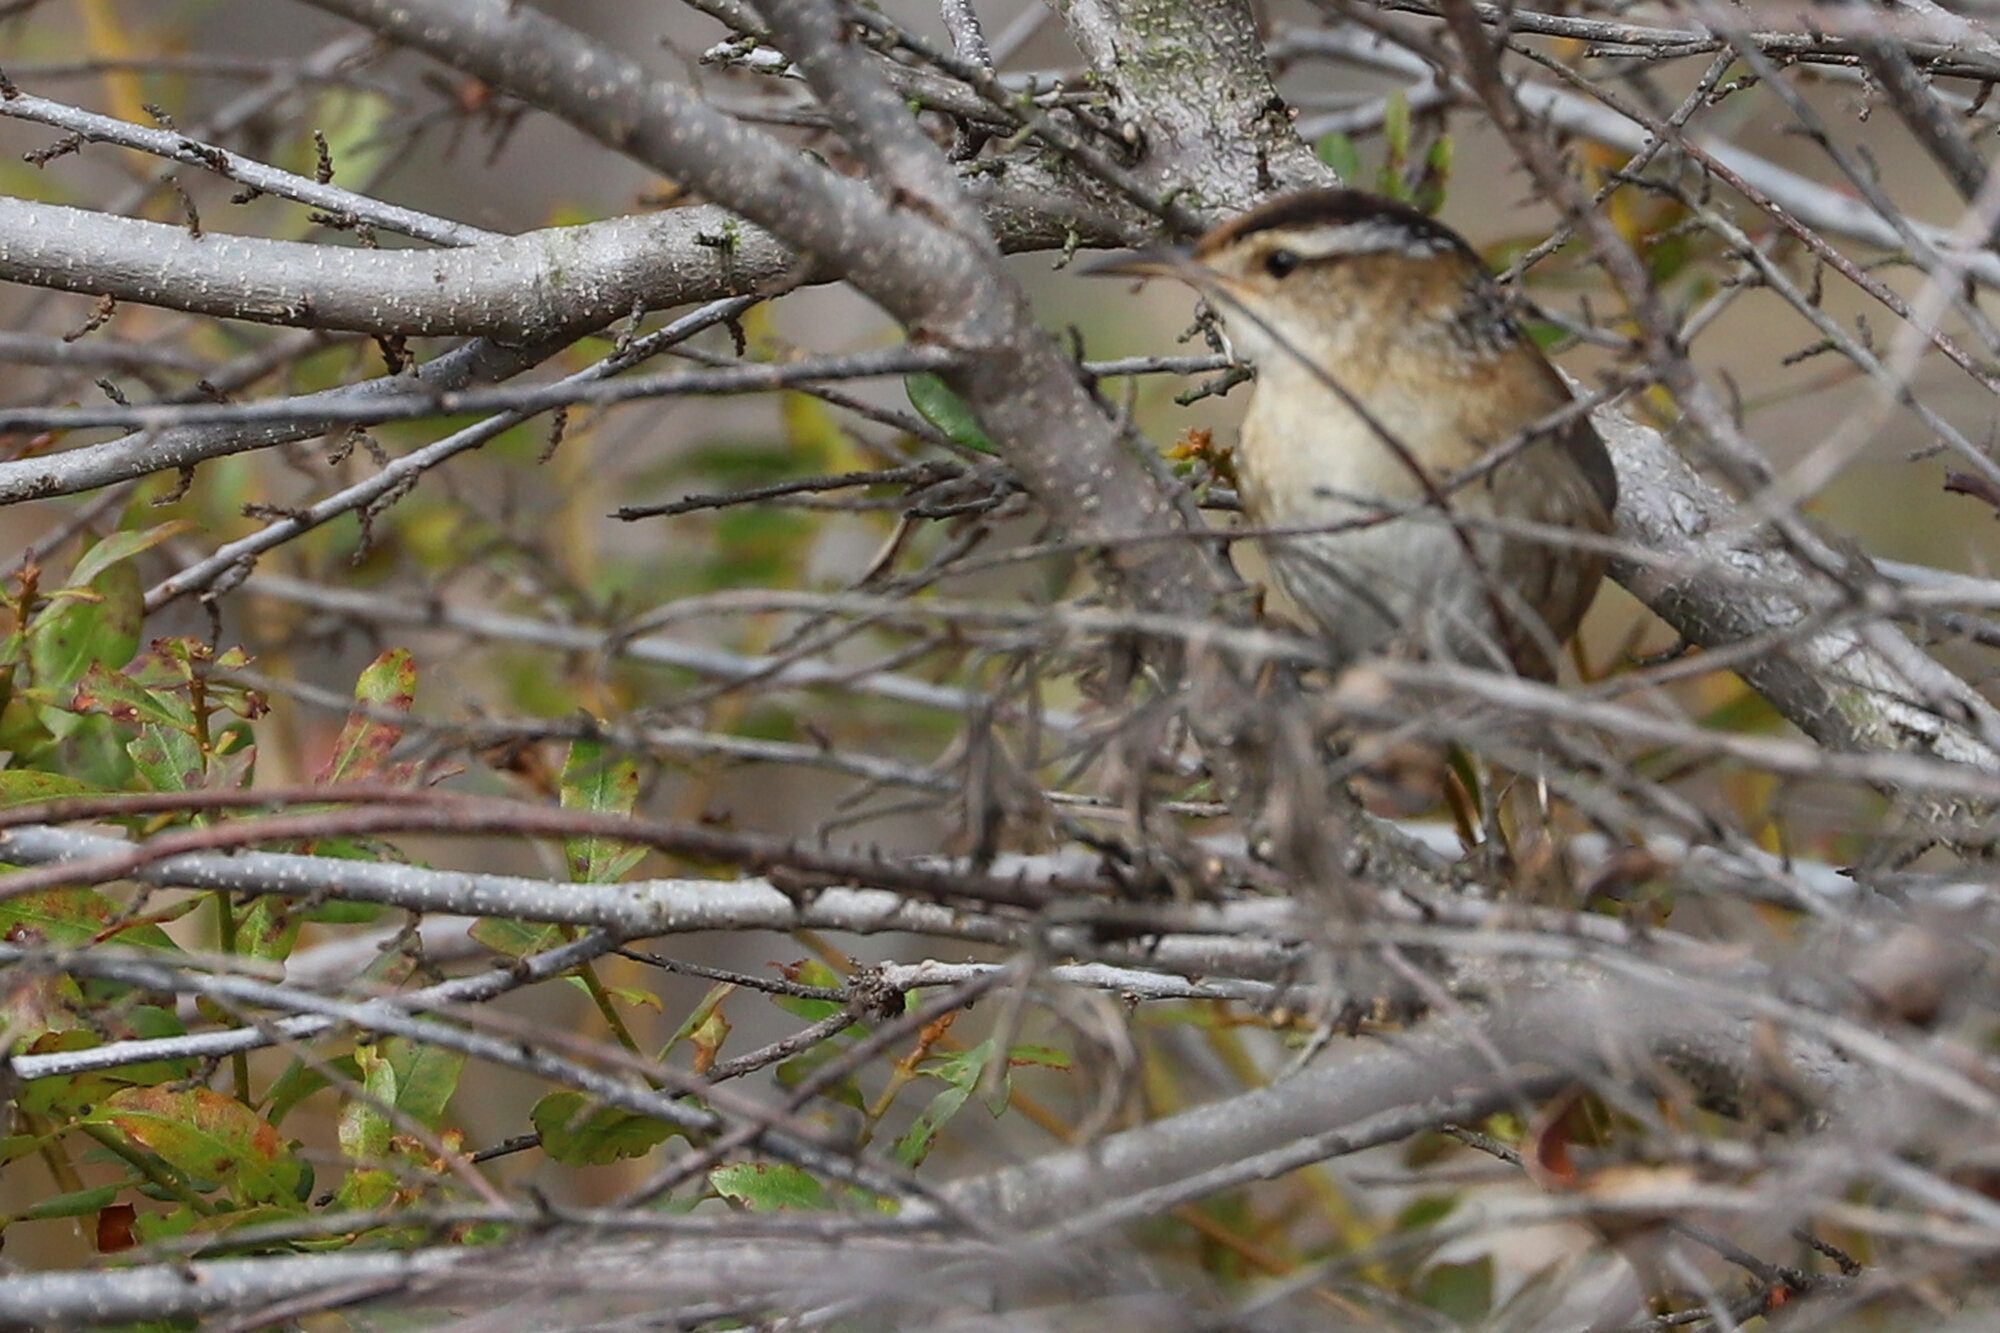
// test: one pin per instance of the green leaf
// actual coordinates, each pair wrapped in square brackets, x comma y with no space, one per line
[1463,1292]
[122,546]
[513,938]
[426,1078]
[708,1038]
[269,928]
[810,972]
[1396,135]
[768,1186]
[67,918]
[77,1203]
[1047,1057]
[638,997]
[364,1125]
[1429,193]
[14,1147]
[171,1224]
[1339,152]
[79,629]
[1426,1210]
[20,786]
[333,912]
[596,780]
[301,1080]
[843,1091]
[120,697]
[698,1018]
[947,411]
[1543,334]
[366,1187]
[207,1136]
[577,1132]
[961,1073]
[171,665]
[169,760]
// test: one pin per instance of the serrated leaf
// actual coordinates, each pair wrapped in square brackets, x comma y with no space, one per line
[948,412]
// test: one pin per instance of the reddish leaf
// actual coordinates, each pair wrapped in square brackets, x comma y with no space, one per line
[114,1228]
[388,686]
[208,1136]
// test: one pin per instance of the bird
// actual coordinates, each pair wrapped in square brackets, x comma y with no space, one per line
[1416,467]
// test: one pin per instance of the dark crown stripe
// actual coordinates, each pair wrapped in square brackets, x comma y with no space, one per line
[1332,208]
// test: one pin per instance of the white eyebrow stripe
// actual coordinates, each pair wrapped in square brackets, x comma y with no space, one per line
[1369,236]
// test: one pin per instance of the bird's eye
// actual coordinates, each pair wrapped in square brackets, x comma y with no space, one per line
[1280,263]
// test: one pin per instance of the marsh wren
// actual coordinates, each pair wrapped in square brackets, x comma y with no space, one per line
[1405,448]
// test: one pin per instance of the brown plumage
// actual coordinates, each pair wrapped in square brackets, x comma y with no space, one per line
[1389,373]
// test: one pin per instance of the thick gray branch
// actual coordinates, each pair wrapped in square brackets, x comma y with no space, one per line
[937,279]
[482,361]
[1242,944]
[1189,82]
[1717,583]
[519,287]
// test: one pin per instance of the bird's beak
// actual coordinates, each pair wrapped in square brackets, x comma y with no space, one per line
[1141,264]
